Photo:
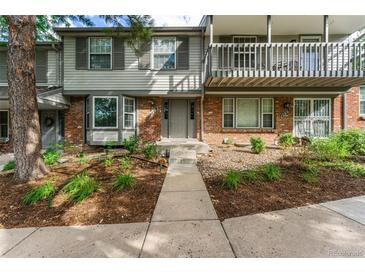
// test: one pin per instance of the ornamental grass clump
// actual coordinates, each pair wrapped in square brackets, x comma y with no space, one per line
[124,180]
[9,165]
[286,140]
[231,179]
[257,145]
[80,187]
[270,172]
[39,193]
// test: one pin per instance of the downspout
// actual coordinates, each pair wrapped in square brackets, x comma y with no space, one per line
[202,45]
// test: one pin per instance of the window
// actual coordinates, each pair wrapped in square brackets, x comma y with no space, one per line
[100,53]
[311,56]
[105,112]
[129,113]
[4,125]
[248,113]
[267,112]
[362,101]
[228,112]
[164,56]
[244,56]
[192,110]
[166,110]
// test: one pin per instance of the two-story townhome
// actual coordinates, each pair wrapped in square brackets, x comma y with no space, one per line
[230,77]
[51,102]
[264,75]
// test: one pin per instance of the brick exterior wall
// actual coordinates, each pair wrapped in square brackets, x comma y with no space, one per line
[149,111]
[353,116]
[214,133]
[74,131]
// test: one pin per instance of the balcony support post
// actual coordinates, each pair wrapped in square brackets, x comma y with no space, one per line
[211,30]
[268,35]
[325,39]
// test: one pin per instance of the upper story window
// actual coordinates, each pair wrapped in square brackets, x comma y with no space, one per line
[105,112]
[362,101]
[100,53]
[164,53]
[4,124]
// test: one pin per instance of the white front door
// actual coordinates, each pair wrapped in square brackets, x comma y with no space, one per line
[312,117]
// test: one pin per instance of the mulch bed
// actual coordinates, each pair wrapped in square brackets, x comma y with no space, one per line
[106,206]
[288,192]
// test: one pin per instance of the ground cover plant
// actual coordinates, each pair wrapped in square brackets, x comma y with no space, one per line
[286,140]
[257,145]
[80,187]
[9,165]
[123,181]
[45,191]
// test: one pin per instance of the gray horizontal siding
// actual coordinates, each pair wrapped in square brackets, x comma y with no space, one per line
[132,78]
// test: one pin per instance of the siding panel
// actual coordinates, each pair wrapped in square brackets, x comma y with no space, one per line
[132,78]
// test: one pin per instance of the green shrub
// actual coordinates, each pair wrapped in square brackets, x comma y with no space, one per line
[9,165]
[231,179]
[352,168]
[354,139]
[271,172]
[286,140]
[150,151]
[125,163]
[108,161]
[329,149]
[131,144]
[42,192]
[310,174]
[257,145]
[251,175]
[80,187]
[51,156]
[124,180]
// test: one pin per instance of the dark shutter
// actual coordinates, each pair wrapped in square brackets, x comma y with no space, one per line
[118,53]
[3,69]
[82,54]
[41,66]
[224,53]
[144,59]
[182,52]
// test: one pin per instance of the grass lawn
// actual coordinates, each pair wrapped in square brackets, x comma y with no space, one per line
[255,195]
[132,203]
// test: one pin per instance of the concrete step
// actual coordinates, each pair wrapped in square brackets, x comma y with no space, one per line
[182,156]
[169,144]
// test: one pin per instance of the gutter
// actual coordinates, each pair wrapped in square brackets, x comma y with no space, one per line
[202,43]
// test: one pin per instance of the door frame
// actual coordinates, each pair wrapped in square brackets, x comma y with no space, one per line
[311,99]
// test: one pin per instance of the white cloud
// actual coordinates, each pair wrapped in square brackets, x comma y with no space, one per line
[177,20]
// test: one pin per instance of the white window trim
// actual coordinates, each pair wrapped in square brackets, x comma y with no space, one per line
[361,100]
[311,111]
[152,57]
[258,112]
[133,113]
[272,113]
[318,37]
[117,114]
[111,53]
[224,112]
[7,137]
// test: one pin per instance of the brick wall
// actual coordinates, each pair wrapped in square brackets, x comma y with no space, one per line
[74,131]
[149,118]
[214,133]
[353,116]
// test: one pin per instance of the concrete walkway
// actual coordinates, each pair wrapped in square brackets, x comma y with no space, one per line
[184,223]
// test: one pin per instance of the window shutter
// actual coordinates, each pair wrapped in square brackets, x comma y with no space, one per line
[82,53]
[3,65]
[182,52]
[41,66]
[118,53]
[144,60]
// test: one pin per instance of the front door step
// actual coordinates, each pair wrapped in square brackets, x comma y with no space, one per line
[182,156]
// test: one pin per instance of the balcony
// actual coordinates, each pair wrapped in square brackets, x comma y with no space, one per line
[290,65]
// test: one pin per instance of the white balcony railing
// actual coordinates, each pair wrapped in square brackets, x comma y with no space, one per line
[285,60]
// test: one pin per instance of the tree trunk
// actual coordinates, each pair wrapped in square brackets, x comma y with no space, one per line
[23,98]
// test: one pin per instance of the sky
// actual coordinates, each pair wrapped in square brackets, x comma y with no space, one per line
[163,20]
